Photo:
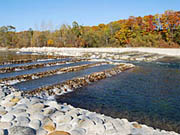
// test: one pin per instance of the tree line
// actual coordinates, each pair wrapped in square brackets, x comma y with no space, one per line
[160,30]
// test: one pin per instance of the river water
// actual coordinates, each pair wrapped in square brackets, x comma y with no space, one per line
[59,78]
[12,55]
[149,94]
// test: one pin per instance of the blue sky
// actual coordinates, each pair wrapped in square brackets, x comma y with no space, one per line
[50,14]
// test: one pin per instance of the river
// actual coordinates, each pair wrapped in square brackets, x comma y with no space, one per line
[149,93]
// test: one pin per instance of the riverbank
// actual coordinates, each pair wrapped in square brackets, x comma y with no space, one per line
[81,51]
[34,116]
[8,49]
[40,116]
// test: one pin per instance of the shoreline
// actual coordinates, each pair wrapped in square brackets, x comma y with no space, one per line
[7,49]
[80,51]
[37,116]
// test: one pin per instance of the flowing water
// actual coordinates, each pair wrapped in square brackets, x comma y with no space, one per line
[34,62]
[149,94]
[38,70]
[59,78]
[12,55]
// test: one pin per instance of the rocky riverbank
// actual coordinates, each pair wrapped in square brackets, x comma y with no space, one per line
[21,115]
[82,51]
[33,113]
[127,54]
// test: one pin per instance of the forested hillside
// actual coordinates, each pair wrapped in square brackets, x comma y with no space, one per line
[160,30]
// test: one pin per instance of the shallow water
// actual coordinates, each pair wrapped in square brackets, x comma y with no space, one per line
[34,62]
[38,70]
[12,55]
[148,94]
[58,78]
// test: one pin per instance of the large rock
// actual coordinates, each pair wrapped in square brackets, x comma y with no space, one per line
[1,132]
[41,131]
[21,106]
[17,94]
[48,111]
[35,100]
[59,133]
[96,120]
[9,109]
[18,130]
[7,118]
[2,111]
[136,125]
[37,115]
[121,126]
[65,108]
[15,100]
[17,111]
[24,114]
[78,131]
[8,104]
[9,97]
[5,125]
[99,128]
[2,94]
[112,132]
[108,125]
[53,104]
[74,113]
[75,122]
[35,108]
[22,121]
[144,130]
[2,108]
[87,124]
[56,114]
[64,127]
[35,124]
[63,119]
[49,125]
[24,101]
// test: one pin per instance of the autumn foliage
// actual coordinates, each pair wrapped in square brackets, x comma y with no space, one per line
[160,30]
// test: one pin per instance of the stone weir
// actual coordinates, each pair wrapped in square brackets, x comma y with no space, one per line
[39,65]
[17,61]
[28,77]
[32,59]
[128,56]
[70,85]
